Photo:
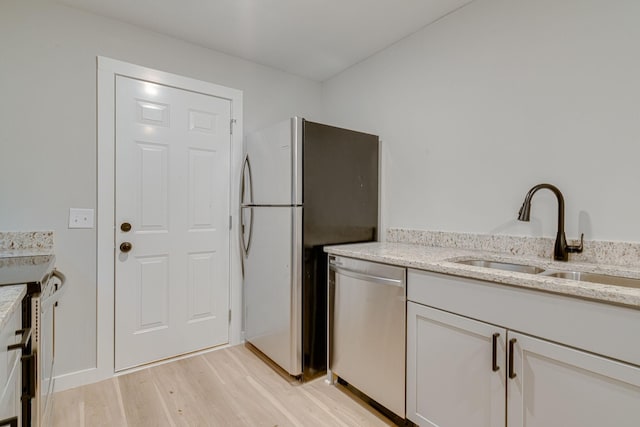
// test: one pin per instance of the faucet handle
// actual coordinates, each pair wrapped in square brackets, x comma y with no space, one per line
[578,248]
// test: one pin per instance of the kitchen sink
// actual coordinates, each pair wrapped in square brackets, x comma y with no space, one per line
[520,268]
[579,276]
[595,278]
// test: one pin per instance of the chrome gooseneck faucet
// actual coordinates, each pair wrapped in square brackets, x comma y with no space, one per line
[561,249]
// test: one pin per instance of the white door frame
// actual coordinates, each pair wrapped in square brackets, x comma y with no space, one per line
[107,71]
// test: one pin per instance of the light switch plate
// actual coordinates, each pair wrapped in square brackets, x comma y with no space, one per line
[80,218]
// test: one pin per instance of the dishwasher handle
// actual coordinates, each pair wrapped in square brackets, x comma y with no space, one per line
[368,277]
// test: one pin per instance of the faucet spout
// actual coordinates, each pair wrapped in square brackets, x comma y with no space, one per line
[561,249]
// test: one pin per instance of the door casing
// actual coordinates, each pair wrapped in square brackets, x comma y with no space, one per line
[107,69]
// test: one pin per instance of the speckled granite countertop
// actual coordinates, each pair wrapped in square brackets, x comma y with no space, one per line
[25,243]
[442,260]
[10,298]
[13,246]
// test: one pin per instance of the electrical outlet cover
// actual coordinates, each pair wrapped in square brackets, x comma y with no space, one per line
[80,218]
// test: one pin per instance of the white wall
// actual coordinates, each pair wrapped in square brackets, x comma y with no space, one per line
[48,130]
[497,97]
[472,111]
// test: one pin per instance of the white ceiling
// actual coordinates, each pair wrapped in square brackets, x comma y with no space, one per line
[311,38]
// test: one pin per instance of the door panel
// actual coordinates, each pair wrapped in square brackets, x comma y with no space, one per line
[153,196]
[202,189]
[202,272]
[153,293]
[272,291]
[172,185]
[275,158]
[560,386]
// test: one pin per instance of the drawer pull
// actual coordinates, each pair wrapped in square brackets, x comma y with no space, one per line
[512,373]
[10,422]
[26,336]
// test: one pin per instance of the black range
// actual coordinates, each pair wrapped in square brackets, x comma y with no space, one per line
[36,272]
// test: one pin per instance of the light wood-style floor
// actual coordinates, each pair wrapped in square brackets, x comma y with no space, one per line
[228,387]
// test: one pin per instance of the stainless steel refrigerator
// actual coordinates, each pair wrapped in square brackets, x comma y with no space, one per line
[304,185]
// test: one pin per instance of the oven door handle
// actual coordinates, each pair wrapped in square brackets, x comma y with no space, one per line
[59,286]
[26,336]
[60,276]
[60,289]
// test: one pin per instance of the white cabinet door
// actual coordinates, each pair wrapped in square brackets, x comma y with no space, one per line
[454,375]
[559,386]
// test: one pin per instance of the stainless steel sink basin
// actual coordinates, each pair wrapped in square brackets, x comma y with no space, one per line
[595,278]
[571,275]
[520,268]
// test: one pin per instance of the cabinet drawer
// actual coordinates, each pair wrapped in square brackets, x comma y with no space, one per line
[604,329]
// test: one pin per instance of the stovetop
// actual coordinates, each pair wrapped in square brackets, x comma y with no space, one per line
[29,270]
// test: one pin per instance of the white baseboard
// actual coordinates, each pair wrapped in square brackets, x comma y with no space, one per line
[93,375]
[78,378]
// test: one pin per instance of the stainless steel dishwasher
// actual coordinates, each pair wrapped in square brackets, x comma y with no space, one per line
[367,334]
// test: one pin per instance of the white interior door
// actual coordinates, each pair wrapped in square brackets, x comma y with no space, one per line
[172,187]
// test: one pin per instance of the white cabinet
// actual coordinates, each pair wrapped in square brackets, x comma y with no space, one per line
[10,370]
[555,385]
[456,378]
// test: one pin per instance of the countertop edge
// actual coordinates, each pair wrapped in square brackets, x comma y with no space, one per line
[439,260]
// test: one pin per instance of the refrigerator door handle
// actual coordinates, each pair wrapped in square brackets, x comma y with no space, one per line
[245,176]
[242,183]
[246,244]
[241,228]
[248,247]
[246,172]
[241,239]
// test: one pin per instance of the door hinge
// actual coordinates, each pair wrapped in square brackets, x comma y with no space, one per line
[229,316]
[230,222]
[231,123]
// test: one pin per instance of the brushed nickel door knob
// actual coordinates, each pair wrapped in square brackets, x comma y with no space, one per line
[125,246]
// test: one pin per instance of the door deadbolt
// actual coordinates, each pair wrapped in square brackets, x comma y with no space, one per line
[125,246]
[125,226]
